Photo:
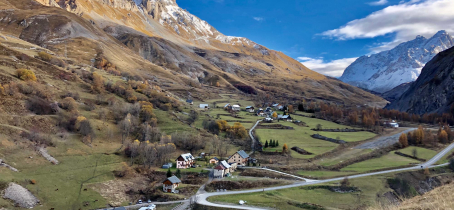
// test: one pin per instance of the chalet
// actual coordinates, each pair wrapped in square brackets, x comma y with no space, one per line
[236,107]
[260,113]
[275,105]
[170,184]
[227,107]
[280,107]
[185,161]
[189,101]
[222,169]
[250,109]
[239,157]
[214,160]
[204,106]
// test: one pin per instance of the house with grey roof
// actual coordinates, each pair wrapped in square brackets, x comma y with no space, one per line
[170,184]
[185,160]
[240,157]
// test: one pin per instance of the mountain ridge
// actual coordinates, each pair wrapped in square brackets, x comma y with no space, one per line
[432,91]
[383,71]
[143,40]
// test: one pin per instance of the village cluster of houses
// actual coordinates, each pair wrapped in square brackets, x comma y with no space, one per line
[222,169]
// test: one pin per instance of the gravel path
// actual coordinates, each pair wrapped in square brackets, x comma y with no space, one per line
[46,155]
[384,141]
[20,196]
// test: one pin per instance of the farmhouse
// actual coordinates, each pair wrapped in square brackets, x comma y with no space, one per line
[170,184]
[260,113]
[222,169]
[233,166]
[239,157]
[250,109]
[236,107]
[228,107]
[214,160]
[185,160]
[204,106]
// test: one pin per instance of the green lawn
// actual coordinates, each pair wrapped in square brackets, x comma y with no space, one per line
[279,199]
[348,154]
[61,186]
[301,136]
[387,161]
[421,152]
[349,136]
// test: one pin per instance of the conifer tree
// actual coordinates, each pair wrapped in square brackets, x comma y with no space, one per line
[178,173]
[277,143]
[266,144]
[169,173]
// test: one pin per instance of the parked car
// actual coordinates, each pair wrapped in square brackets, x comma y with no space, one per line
[139,202]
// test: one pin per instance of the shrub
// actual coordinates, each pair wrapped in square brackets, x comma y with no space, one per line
[26,75]
[58,62]
[2,91]
[39,106]
[98,83]
[45,56]
[69,104]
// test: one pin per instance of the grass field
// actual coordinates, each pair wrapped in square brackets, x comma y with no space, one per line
[421,152]
[280,199]
[61,186]
[348,154]
[387,161]
[301,136]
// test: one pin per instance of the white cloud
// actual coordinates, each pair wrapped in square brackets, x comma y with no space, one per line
[333,68]
[406,20]
[378,3]
[258,18]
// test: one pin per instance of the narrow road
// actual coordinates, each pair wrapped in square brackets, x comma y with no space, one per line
[252,136]
[202,198]
[280,172]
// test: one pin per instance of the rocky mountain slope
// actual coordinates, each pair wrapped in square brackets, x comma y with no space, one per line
[432,91]
[384,71]
[158,39]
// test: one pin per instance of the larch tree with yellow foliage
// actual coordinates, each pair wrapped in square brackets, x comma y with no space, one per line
[26,75]
[403,140]
[285,148]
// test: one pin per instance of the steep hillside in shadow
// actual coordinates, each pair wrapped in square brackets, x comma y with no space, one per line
[432,91]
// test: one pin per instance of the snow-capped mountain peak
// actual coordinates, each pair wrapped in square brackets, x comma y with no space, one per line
[385,70]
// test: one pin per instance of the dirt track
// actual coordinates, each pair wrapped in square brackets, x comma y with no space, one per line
[384,141]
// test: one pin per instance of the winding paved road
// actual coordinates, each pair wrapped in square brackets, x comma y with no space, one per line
[202,198]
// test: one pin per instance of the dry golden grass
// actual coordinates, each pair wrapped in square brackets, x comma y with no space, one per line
[438,199]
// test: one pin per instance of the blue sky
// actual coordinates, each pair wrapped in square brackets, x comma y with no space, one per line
[326,35]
